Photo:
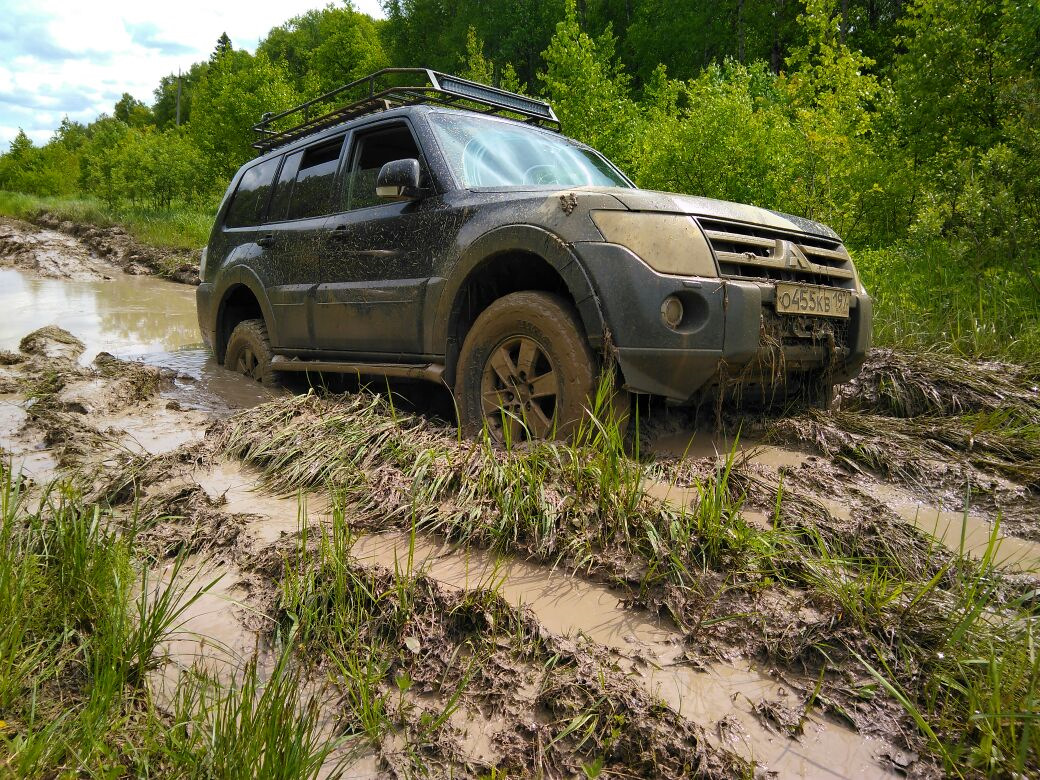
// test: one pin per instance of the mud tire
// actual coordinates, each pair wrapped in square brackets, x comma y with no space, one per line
[552,323]
[249,353]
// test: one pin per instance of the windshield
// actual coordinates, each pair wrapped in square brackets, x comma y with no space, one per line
[492,153]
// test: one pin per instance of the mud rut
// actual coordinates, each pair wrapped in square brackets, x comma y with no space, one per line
[537,664]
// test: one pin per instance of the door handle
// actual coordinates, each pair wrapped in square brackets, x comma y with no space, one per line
[266,241]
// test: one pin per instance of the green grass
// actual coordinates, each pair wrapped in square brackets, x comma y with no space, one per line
[81,627]
[927,298]
[179,228]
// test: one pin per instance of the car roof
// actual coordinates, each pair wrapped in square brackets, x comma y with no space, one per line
[390,113]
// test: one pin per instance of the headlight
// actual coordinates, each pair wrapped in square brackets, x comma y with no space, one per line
[668,243]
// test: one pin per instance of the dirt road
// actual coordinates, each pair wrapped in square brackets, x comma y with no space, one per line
[545,645]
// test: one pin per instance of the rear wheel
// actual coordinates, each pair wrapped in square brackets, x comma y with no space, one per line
[249,352]
[525,369]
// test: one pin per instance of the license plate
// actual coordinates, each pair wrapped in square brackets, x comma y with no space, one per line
[814,301]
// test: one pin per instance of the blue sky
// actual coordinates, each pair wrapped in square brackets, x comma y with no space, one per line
[75,58]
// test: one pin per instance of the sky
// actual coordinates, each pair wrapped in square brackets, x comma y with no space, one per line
[77,58]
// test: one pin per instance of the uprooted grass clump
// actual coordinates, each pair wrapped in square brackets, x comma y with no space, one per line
[926,451]
[943,633]
[939,424]
[389,636]
[914,384]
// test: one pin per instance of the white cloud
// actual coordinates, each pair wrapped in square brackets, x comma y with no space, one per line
[62,57]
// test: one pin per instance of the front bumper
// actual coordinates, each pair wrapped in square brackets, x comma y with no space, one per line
[728,327]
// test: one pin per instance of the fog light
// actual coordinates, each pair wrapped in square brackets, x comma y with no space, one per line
[672,311]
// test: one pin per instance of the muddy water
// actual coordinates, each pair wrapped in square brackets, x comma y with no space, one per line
[652,651]
[961,531]
[27,453]
[686,444]
[958,531]
[140,317]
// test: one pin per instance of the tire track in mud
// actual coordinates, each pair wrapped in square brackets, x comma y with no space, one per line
[194,502]
[72,420]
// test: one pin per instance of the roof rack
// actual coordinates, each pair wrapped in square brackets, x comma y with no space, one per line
[391,88]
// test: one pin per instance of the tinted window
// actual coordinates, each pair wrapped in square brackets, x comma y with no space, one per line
[312,191]
[249,200]
[283,189]
[371,152]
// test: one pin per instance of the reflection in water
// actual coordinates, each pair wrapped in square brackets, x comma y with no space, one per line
[138,317]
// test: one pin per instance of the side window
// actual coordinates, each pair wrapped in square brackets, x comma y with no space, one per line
[312,190]
[371,152]
[283,189]
[250,198]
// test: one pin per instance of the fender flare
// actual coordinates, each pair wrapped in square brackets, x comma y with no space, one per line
[240,276]
[516,238]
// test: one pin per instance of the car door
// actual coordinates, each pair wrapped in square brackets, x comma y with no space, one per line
[380,254]
[294,234]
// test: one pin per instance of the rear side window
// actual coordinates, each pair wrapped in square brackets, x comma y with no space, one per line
[250,198]
[283,189]
[312,191]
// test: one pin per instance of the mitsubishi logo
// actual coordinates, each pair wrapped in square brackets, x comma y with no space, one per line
[795,258]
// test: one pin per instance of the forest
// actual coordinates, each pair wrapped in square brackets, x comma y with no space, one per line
[912,127]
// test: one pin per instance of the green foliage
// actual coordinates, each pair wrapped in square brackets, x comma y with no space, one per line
[589,88]
[230,98]
[478,67]
[324,49]
[131,111]
[725,107]
[909,127]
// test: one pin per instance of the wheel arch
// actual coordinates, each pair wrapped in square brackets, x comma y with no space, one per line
[241,299]
[507,260]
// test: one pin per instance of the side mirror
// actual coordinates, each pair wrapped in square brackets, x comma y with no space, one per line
[399,180]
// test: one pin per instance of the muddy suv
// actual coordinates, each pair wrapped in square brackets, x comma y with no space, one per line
[433,227]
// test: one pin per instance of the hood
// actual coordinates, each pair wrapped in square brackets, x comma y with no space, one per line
[649,200]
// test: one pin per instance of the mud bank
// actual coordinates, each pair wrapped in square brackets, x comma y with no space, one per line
[69,250]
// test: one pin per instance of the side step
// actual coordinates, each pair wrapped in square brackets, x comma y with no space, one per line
[432,372]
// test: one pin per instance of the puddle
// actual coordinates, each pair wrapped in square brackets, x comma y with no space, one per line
[208,630]
[571,607]
[139,317]
[721,699]
[239,487]
[26,454]
[958,531]
[155,431]
[695,446]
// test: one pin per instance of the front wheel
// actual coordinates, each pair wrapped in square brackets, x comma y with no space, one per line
[525,369]
[249,352]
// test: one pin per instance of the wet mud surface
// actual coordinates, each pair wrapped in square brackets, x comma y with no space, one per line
[57,248]
[507,633]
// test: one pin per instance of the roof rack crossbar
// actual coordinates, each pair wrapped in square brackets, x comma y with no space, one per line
[431,87]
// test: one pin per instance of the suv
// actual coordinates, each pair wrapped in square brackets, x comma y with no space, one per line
[442,229]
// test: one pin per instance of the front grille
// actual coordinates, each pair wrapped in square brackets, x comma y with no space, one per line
[746,252]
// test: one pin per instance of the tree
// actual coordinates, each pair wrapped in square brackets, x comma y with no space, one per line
[589,88]
[223,47]
[230,98]
[133,112]
[165,106]
[323,49]
[477,67]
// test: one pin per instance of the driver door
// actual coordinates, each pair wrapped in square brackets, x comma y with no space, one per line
[379,255]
